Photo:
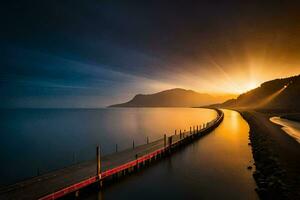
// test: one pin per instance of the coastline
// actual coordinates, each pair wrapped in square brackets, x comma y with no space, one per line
[290,127]
[276,155]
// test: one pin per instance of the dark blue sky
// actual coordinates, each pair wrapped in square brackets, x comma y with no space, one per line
[94,53]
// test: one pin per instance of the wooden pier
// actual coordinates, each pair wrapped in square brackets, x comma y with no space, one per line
[72,179]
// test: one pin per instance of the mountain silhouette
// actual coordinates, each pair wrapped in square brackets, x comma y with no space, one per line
[176,97]
[278,94]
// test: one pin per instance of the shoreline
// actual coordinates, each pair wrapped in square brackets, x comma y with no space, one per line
[290,127]
[276,157]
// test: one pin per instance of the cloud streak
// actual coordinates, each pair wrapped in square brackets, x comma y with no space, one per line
[102,52]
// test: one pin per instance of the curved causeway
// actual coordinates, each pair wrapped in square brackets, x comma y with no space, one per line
[71,179]
[214,167]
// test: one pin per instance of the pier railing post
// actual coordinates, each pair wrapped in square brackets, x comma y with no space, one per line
[180,134]
[165,140]
[137,162]
[190,130]
[175,132]
[98,157]
[170,142]
[132,144]
[147,140]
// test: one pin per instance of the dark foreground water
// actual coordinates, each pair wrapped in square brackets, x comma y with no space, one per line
[214,167]
[39,140]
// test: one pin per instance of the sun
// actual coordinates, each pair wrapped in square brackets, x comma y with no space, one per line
[246,86]
[251,85]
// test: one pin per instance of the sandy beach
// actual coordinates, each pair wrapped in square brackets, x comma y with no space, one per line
[276,155]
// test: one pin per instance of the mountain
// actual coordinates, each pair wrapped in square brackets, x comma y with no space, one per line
[173,98]
[278,94]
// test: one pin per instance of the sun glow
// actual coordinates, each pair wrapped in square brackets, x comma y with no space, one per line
[251,85]
[244,86]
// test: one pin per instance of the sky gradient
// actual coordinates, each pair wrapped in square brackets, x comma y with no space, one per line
[95,53]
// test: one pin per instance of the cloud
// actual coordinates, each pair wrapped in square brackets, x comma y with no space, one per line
[102,51]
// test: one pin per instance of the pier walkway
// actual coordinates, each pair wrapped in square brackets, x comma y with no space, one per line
[71,179]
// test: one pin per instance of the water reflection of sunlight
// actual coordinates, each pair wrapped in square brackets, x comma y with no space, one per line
[155,122]
[232,128]
[235,120]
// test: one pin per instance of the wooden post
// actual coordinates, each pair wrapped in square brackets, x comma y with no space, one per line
[190,130]
[170,141]
[77,194]
[116,147]
[197,129]
[147,140]
[175,132]
[98,157]
[137,164]
[180,134]
[133,144]
[165,140]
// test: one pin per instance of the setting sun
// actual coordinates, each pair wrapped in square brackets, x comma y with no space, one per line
[251,85]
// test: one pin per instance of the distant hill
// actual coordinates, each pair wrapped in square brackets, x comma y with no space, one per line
[173,98]
[278,94]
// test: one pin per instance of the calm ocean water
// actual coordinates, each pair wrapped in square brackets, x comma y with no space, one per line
[39,140]
[214,167]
